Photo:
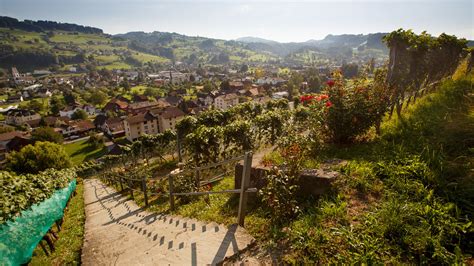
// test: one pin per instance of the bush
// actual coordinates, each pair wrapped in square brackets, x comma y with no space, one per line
[95,140]
[280,192]
[345,112]
[19,192]
[41,156]
[47,134]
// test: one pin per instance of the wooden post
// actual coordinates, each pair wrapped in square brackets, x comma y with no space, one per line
[144,190]
[178,143]
[244,186]
[170,181]
[198,179]
[130,182]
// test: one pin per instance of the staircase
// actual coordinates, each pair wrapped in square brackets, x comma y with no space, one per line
[119,232]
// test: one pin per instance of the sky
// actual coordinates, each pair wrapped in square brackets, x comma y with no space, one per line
[284,21]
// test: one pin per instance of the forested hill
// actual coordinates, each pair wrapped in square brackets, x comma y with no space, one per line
[43,25]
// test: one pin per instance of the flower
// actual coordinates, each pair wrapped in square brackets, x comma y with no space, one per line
[330,83]
[306,98]
[323,97]
[328,104]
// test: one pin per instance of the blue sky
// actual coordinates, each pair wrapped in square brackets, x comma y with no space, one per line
[277,20]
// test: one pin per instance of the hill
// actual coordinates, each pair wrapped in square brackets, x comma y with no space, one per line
[33,45]
[195,50]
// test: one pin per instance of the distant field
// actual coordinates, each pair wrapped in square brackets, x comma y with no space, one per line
[80,151]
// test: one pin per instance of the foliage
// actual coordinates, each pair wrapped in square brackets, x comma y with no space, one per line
[270,124]
[57,104]
[95,140]
[417,61]
[19,192]
[79,114]
[46,134]
[347,111]
[204,144]
[41,156]
[97,97]
[282,183]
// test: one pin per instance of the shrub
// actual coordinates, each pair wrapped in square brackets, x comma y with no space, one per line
[41,156]
[280,192]
[46,134]
[346,111]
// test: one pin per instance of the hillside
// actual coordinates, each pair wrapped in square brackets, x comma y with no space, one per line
[33,45]
[195,50]
[28,47]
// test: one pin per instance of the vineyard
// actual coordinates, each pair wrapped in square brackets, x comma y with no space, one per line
[404,191]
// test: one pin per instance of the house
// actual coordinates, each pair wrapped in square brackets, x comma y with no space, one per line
[44,93]
[226,101]
[207,98]
[236,85]
[68,111]
[18,117]
[169,117]
[280,95]
[141,124]
[15,98]
[140,98]
[114,127]
[161,103]
[7,136]
[141,107]
[76,128]
[115,105]
[173,100]
[55,121]
[262,100]
[18,142]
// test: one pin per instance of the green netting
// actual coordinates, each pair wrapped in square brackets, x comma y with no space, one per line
[19,237]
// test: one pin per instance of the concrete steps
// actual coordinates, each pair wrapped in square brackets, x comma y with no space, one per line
[118,232]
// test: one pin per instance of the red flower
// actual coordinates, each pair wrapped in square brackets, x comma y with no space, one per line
[330,83]
[306,98]
[323,97]
[328,104]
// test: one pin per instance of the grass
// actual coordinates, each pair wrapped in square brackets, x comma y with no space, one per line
[80,151]
[69,244]
[405,197]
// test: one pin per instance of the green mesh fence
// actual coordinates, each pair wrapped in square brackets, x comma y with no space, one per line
[19,237]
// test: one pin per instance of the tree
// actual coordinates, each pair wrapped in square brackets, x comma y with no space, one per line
[151,92]
[47,134]
[69,98]
[35,105]
[57,104]
[97,97]
[244,68]
[314,83]
[37,158]
[350,70]
[125,84]
[79,114]
[95,140]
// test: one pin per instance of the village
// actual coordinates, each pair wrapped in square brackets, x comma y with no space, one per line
[120,106]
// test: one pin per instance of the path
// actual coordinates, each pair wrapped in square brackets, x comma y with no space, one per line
[118,232]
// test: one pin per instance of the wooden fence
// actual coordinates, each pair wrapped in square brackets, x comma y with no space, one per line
[126,183]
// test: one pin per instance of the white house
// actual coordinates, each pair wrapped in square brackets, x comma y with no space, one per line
[70,110]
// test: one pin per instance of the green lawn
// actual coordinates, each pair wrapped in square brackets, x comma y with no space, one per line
[69,244]
[80,151]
